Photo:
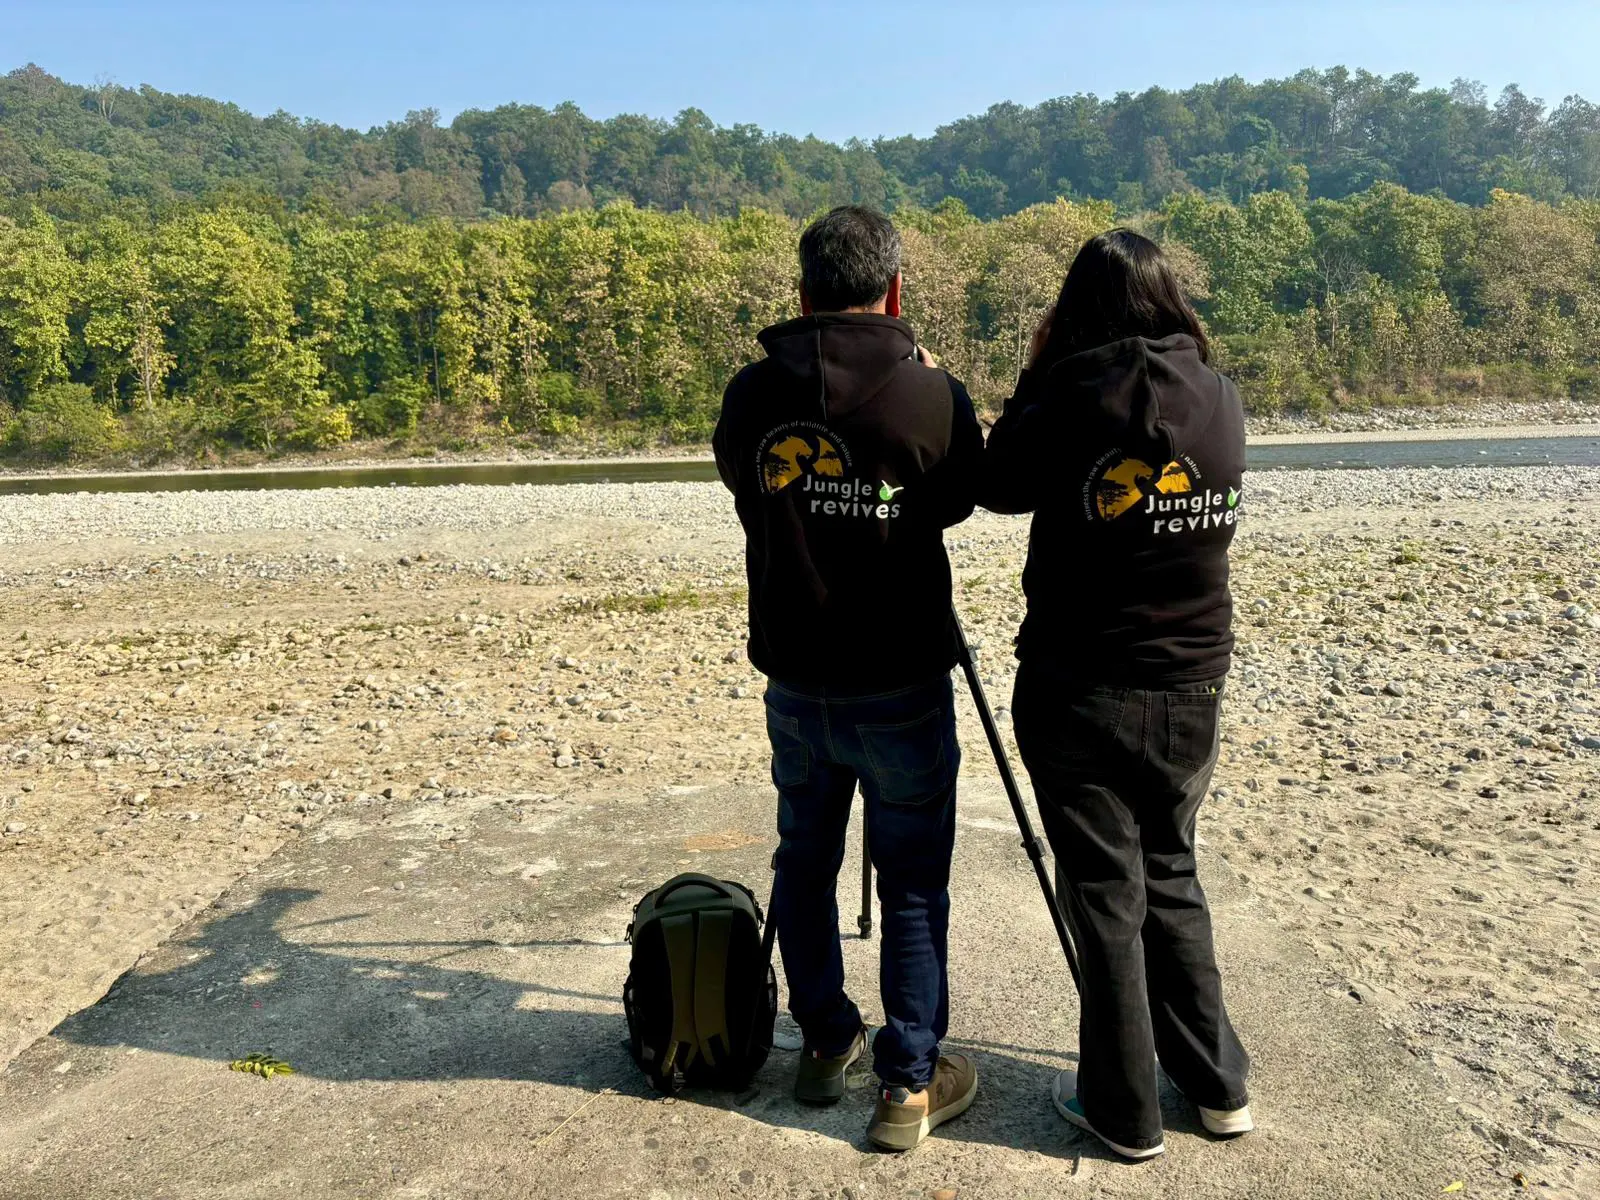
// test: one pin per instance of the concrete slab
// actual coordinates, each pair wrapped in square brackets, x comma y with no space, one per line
[445,981]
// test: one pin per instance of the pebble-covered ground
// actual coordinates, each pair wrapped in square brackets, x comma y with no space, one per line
[1411,774]
[1478,414]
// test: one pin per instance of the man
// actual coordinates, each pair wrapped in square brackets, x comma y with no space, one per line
[849,454]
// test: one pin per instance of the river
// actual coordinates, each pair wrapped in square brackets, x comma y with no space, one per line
[1485,452]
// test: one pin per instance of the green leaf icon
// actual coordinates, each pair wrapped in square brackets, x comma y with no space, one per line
[1233,497]
[885,492]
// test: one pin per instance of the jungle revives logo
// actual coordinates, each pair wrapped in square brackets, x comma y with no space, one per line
[815,458]
[1171,497]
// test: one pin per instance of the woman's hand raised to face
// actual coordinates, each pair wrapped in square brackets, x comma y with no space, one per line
[1041,335]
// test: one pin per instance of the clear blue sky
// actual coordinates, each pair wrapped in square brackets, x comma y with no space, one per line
[865,67]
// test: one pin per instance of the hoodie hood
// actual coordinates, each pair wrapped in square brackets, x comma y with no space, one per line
[1158,395]
[844,359]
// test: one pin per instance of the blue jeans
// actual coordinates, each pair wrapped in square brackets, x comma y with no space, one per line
[901,748]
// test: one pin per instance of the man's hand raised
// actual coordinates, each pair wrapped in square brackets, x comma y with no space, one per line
[925,357]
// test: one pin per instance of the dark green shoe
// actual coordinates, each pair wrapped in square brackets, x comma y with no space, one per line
[819,1079]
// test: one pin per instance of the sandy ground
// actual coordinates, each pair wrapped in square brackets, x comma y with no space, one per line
[1408,789]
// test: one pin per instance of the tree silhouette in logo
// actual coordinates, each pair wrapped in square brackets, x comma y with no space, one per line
[795,456]
[1133,481]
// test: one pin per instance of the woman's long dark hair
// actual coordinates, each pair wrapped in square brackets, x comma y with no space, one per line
[1120,286]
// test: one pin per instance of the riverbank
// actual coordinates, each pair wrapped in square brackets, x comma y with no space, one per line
[1482,414]
[1438,433]
[188,681]
[1557,446]
[1556,418]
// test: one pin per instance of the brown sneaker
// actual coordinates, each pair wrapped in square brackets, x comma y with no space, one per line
[903,1117]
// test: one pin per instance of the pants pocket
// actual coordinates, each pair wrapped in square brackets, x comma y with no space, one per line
[1072,728]
[1192,728]
[791,757]
[913,761]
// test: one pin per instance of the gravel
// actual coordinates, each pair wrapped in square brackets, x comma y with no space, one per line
[1408,774]
[1482,414]
[383,512]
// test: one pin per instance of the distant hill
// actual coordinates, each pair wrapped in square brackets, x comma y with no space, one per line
[83,150]
[178,277]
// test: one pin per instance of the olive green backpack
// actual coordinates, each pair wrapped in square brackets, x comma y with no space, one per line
[701,995]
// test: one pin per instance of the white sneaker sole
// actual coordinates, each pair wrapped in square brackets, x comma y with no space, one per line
[1082,1122]
[1227,1123]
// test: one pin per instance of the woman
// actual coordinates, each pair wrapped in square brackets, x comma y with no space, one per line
[1129,451]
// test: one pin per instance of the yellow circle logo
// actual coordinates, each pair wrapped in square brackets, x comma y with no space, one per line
[1126,485]
[791,454]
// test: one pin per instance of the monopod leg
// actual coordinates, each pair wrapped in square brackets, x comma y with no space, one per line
[864,921]
[1030,842]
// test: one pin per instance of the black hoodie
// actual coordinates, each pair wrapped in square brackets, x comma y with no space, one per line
[847,460]
[1131,458]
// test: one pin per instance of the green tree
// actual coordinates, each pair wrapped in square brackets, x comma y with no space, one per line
[126,315]
[227,276]
[1258,255]
[1534,275]
[37,285]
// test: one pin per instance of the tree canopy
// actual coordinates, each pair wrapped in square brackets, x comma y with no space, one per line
[177,275]
[1319,134]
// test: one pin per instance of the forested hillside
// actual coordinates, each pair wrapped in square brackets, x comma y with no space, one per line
[176,275]
[1319,134]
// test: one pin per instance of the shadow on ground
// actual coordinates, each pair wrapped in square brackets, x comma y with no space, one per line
[345,1011]
[435,1062]
[345,1016]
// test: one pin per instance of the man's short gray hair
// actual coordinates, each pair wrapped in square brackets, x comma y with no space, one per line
[848,258]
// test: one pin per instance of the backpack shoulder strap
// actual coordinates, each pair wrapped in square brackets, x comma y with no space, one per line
[711,982]
[677,932]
